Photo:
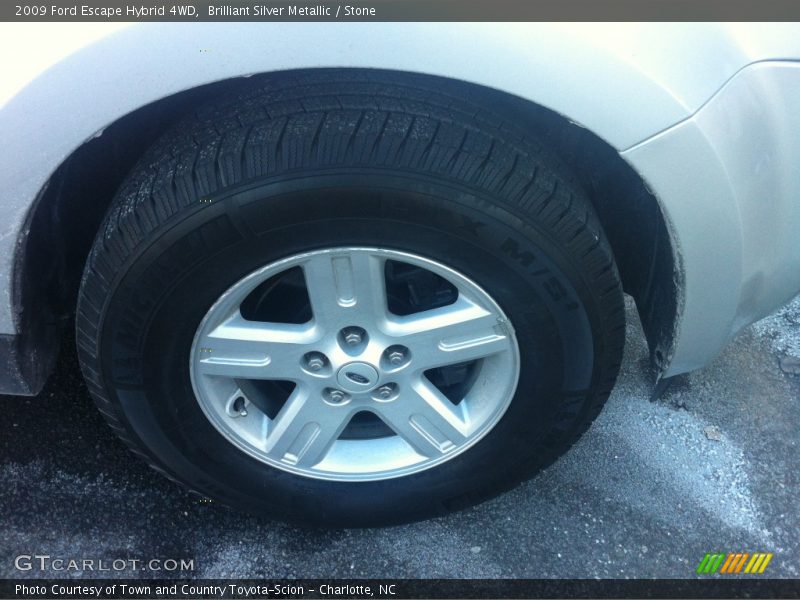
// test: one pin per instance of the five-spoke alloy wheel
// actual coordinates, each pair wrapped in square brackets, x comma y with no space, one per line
[355,356]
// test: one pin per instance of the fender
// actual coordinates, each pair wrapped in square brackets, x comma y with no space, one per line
[728,183]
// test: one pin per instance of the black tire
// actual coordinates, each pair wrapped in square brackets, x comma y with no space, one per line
[349,158]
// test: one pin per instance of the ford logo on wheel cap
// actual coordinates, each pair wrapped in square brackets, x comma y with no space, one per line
[357,377]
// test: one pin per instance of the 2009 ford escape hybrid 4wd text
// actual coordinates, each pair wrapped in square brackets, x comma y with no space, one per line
[360,274]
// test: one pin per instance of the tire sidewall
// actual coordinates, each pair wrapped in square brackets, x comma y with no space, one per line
[169,283]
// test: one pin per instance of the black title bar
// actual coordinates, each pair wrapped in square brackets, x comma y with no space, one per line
[399,10]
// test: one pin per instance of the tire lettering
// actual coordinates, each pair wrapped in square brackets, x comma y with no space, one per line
[511,248]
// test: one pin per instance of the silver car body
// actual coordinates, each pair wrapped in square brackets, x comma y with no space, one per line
[707,114]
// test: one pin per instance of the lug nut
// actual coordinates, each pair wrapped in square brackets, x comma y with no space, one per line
[315,361]
[353,336]
[385,392]
[336,396]
[396,356]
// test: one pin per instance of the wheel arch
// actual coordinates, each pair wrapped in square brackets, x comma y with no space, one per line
[62,223]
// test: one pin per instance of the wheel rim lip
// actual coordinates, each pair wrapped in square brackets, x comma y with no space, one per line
[239,290]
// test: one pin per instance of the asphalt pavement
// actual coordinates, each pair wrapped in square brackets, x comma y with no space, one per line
[712,466]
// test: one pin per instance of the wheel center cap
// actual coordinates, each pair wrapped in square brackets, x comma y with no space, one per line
[357,377]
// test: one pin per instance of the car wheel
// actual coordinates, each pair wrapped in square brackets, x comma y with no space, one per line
[349,300]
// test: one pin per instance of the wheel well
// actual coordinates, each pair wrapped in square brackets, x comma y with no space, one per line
[67,214]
